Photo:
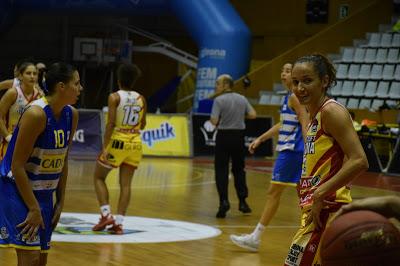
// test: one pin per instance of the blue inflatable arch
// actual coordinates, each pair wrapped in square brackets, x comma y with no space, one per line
[221,35]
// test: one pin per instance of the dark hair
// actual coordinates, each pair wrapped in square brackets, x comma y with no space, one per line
[128,74]
[57,72]
[322,65]
[24,65]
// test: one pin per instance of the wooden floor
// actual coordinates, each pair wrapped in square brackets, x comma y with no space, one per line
[184,190]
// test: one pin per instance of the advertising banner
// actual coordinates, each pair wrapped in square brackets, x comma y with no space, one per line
[204,135]
[87,141]
[167,135]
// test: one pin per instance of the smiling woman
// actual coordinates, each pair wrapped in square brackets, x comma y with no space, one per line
[323,186]
[35,166]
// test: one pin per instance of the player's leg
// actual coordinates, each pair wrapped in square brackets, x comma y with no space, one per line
[43,259]
[28,257]
[100,174]
[252,241]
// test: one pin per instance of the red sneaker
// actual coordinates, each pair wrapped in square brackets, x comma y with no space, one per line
[116,229]
[103,222]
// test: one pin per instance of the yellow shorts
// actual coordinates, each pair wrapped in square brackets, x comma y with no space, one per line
[122,151]
[305,247]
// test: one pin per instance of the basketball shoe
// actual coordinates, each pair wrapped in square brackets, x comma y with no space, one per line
[103,222]
[246,241]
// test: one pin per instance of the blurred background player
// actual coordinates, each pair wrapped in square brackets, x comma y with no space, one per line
[43,134]
[323,187]
[228,113]
[293,121]
[122,146]
[13,103]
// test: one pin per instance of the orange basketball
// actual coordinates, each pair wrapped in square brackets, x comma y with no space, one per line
[361,238]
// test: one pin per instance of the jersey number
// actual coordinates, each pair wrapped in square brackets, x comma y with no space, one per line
[131,115]
[59,138]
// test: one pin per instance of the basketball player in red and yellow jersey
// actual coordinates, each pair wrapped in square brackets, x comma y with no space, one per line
[122,146]
[333,156]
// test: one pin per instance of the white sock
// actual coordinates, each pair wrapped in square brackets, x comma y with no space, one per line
[258,231]
[119,219]
[105,210]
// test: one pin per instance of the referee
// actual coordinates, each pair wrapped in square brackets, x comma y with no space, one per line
[228,113]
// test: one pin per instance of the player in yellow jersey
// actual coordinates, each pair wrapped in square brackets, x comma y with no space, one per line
[333,156]
[122,146]
[13,103]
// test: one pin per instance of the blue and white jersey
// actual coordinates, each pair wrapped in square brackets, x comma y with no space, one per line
[46,161]
[290,136]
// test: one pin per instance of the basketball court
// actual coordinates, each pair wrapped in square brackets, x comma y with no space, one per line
[171,218]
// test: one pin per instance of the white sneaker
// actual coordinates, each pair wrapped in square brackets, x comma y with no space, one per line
[246,241]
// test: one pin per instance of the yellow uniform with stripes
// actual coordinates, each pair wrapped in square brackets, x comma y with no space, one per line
[125,145]
[323,158]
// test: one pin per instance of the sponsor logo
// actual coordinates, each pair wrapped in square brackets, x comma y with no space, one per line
[209,133]
[213,53]
[79,136]
[206,77]
[76,227]
[164,132]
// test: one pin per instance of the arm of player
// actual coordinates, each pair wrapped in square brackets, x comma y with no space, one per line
[113,101]
[273,131]
[62,183]
[6,101]
[301,112]
[6,84]
[143,122]
[337,123]
[31,125]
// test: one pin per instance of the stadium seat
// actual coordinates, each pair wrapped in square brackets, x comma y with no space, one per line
[376,72]
[265,97]
[342,101]
[370,55]
[394,92]
[341,71]
[348,54]
[376,103]
[359,55]
[365,104]
[358,90]
[337,89]
[365,71]
[354,71]
[386,40]
[370,89]
[393,55]
[383,89]
[352,103]
[347,88]
[381,56]
[374,40]
[387,73]
[396,40]
[276,99]
[396,74]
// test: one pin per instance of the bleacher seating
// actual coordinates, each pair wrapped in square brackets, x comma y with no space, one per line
[368,75]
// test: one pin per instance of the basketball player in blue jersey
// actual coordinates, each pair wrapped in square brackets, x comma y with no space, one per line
[36,165]
[287,169]
[122,146]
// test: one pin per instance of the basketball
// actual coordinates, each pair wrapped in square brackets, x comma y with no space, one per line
[361,238]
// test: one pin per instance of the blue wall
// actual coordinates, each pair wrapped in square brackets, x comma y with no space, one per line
[221,35]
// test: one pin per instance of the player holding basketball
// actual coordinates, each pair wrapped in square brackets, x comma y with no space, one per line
[333,156]
[122,146]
